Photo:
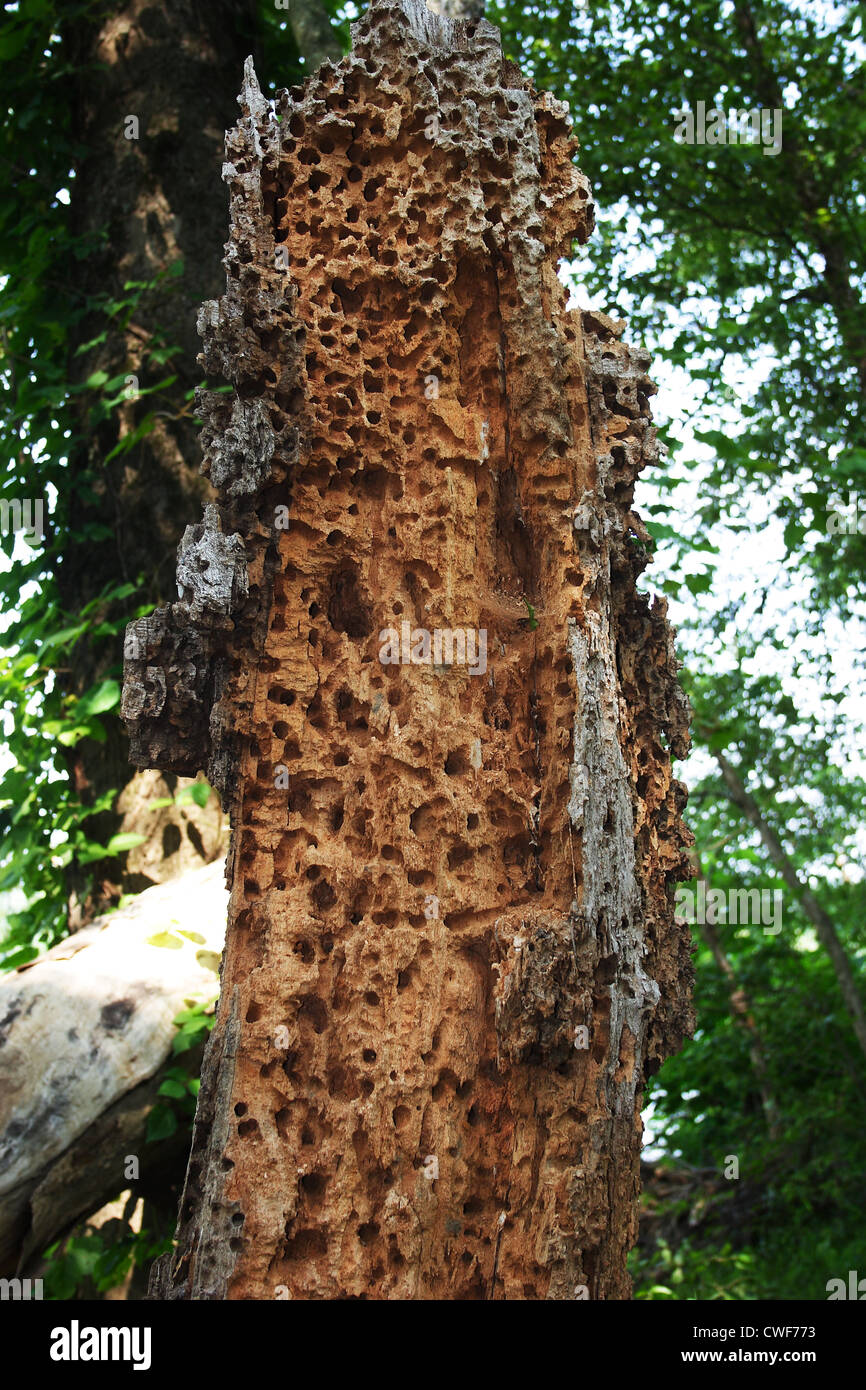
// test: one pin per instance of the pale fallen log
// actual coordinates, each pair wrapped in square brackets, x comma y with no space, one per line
[85,1032]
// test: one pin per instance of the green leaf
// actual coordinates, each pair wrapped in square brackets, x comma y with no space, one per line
[20,957]
[100,698]
[187,1038]
[161,1123]
[199,793]
[119,844]
[172,1088]
[699,583]
[166,940]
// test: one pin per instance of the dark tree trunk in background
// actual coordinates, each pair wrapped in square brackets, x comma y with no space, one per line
[147,203]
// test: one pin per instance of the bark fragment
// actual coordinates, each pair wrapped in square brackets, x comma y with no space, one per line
[440,881]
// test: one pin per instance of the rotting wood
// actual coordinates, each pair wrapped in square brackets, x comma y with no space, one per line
[437,878]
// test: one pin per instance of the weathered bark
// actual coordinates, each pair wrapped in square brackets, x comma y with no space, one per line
[85,1033]
[452,956]
[458,9]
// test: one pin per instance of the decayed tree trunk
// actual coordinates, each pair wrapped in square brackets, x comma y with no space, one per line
[451,956]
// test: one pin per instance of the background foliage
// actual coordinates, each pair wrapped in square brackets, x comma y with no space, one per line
[744,274]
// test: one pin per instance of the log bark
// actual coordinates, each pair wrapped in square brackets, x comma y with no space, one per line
[452,956]
[85,1033]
